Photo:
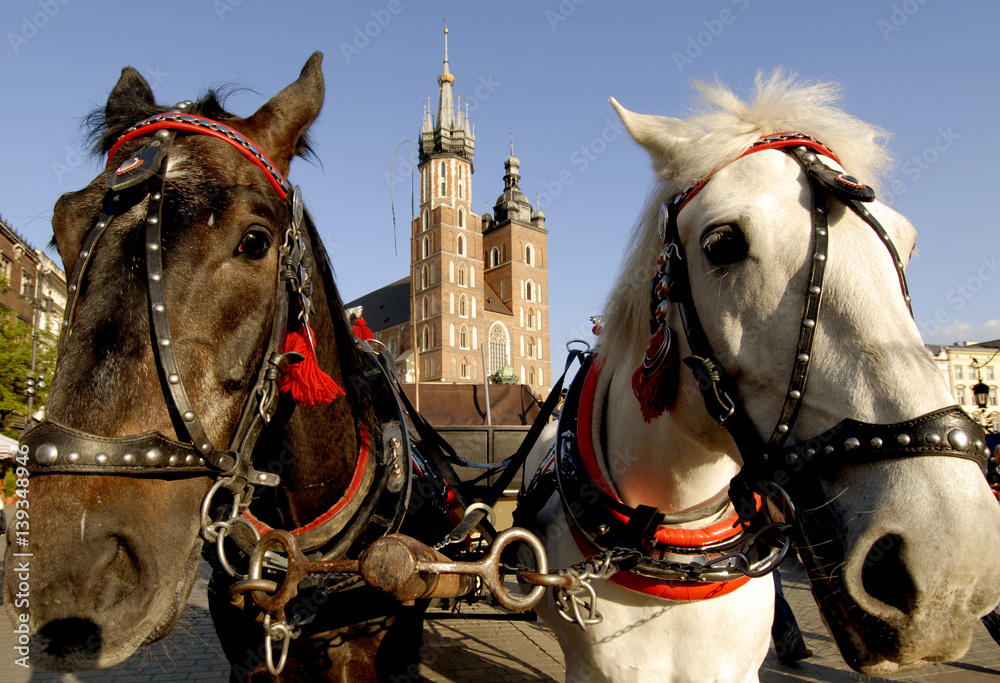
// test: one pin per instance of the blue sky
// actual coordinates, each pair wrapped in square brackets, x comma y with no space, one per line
[540,72]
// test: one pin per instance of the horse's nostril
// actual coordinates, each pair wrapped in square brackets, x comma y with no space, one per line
[120,576]
[77,642]
[884,574]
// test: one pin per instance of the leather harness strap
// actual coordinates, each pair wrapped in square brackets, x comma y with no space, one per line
[768,463]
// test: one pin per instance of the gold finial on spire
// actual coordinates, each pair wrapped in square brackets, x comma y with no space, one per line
[445,76]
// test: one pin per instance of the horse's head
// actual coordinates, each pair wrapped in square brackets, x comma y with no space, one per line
[114,556]
[792,291]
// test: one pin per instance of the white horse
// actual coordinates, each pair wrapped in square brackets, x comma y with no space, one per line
[902,551]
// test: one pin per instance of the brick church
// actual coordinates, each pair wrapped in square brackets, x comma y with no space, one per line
[475,280]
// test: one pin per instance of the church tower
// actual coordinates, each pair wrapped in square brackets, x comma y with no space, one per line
[447,244]
[515,251]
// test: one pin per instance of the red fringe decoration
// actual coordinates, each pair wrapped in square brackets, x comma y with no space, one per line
[655,381]
[361,330]
[307,384]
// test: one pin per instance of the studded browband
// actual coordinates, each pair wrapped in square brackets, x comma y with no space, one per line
[946,432]
[56,448]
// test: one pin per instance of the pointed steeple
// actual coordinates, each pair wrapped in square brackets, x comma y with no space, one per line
[428,126]
[451,133]
[446,107]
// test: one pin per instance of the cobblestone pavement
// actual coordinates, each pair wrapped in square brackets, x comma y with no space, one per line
[483,645]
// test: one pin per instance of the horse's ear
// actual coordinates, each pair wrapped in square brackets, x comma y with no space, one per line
[130,92]
[661,136]
[279,126]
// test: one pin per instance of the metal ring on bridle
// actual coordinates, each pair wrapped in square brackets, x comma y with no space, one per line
[486,509]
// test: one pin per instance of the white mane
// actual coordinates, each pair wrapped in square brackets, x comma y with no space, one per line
[721,127]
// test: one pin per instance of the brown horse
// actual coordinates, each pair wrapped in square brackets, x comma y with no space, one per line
[191,264]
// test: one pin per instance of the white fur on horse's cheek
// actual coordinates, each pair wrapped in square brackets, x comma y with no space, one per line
[175,159]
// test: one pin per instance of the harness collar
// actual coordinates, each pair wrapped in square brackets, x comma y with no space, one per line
[601,522]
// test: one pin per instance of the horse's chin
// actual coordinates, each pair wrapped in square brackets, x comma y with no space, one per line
[73,644]
[900,654]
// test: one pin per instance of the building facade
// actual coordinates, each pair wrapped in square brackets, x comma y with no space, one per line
[478,284]
[964,365]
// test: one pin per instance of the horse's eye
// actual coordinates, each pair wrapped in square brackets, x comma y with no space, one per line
[725,244]
[255,244]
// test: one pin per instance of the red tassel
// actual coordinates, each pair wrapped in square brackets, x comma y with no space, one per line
[361,330]
[655,381]
[308,385]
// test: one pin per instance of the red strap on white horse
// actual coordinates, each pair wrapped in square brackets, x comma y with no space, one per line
[683,591]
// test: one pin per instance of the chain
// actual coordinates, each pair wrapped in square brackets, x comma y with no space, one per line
[576,599]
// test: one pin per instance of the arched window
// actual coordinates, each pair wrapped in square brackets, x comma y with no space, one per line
[461,275]
[472,278]
[499,347]
[463,337]
[427,219]
[527,290]
[494,257]
[424,309]
[425,247]
[465,369]
[539,351]
[451,334]
[425,342]
[463,306]
[473,305]
[530,348]
[461,212]
[528,255]
[531,319]
[541,381]
[460,242]
[444,178]
[423,277]
[531,376]
[454,364]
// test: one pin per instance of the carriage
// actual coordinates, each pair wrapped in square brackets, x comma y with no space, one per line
[202,306]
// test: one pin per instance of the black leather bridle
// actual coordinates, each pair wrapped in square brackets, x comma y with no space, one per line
[59,449]
[769,463]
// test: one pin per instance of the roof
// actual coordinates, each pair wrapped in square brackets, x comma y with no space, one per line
[494,303]
[385,307]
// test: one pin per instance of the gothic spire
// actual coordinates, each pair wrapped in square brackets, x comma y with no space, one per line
[446,106]
[451,133]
